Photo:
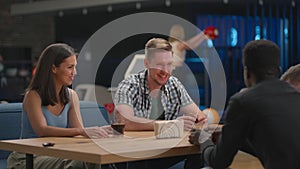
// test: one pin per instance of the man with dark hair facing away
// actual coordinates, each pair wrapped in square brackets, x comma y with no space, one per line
[265,116]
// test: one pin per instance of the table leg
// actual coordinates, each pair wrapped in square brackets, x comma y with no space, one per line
[29,161]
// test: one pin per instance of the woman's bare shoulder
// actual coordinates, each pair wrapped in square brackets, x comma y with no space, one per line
[31,96]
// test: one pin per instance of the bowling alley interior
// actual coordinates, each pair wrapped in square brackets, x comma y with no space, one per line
[109,38]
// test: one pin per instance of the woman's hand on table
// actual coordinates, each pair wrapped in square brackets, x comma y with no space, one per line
[97,132]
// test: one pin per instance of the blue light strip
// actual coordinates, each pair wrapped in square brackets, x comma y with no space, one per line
[298,30]
[291,32]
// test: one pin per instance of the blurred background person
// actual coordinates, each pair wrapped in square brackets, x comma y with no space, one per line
[179,45]
[292,76]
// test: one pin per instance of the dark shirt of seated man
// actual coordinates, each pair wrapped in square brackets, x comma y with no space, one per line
[265,116]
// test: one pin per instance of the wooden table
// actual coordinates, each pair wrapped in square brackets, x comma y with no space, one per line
[133,146]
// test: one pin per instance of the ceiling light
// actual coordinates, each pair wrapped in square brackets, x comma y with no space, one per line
[60,13]
[138,5]
[84,11]
[293,3]
[109,8]
[168,3]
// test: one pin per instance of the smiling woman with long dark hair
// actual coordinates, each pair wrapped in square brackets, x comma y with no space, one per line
[52,109]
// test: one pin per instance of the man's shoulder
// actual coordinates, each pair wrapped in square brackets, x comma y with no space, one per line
[244,95]
[174,80]
[263,89]
[134,79]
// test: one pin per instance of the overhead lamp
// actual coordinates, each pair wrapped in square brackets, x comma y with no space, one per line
[168,3]
[84,11]
[138,5]
[225,1]
[293,3]
[60,13]
[109,8]
[260,2]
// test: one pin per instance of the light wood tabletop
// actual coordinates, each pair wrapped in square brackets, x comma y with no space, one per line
[132,146]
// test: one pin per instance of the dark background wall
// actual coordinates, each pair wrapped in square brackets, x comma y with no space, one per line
[22,38]
[34,32]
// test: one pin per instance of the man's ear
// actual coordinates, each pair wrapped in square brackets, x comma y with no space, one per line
[146,63]
[247,77]
[248,74]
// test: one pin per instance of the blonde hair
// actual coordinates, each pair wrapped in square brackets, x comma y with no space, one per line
[292,74]
[156,44]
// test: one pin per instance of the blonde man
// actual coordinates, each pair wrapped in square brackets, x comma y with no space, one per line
[154,94]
